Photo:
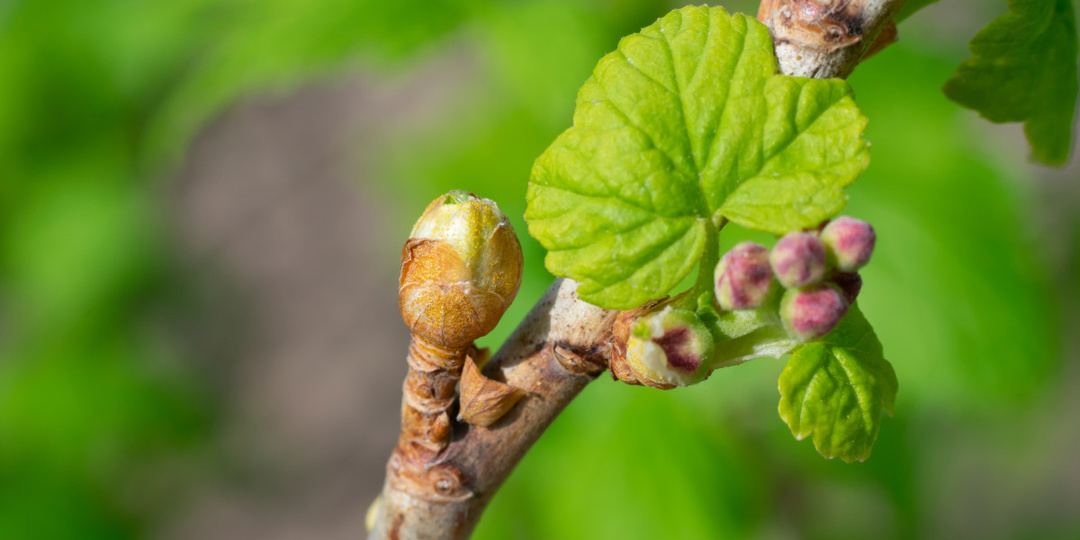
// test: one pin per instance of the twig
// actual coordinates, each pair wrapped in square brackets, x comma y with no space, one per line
[561,346]
[826,39]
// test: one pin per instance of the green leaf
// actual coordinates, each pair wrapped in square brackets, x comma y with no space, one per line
[834,390]
[685,122]
[911,7]
[1023,69]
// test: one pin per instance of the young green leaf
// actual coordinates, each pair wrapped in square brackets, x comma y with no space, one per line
[1023,69]
[685,122]
[834,390]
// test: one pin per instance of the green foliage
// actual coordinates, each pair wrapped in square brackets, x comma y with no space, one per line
[684,123]
[834,390]
[912,6]
[1023,69]
[956,255]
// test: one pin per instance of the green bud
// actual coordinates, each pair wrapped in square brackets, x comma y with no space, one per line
[670,347]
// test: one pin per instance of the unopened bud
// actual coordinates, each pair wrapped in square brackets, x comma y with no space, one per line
[798,259]
[850,242]
[812,312]
[460,270]
[743,277]
[668,348]
[850,284]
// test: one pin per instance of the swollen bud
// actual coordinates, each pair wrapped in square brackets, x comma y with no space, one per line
[812,312]
[798,259]
[743,277]
[668,348]
[850,243]
[460,270]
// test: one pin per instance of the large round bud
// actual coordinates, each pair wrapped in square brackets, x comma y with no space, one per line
[850,242]
[460,270]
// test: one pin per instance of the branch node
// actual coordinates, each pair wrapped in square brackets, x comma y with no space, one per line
[588,361]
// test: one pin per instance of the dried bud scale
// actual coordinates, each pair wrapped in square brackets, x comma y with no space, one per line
[811,312]
[743,277]
[484,400]
[849,243]
[798,259]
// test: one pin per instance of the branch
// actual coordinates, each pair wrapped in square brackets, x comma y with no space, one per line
[826,39]
[561,346]
[564,342]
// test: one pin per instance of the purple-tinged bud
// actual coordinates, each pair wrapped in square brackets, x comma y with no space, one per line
[812,312]
[850,284]
[743,277]
[798,259]
[669,348]
[850,243]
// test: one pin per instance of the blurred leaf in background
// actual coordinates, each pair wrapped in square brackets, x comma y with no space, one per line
[96,101]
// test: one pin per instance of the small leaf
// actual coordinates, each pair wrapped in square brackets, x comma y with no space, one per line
[685,122]
[834,390]
[483,400]
[1023,69]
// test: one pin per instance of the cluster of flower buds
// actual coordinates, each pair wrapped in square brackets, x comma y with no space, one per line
[662,346]
[819,271]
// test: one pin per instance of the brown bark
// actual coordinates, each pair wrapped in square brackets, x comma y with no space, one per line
[826,38]
[429,392]
[560,347]
[564,343]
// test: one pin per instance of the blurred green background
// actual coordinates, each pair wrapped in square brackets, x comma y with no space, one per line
[201,207]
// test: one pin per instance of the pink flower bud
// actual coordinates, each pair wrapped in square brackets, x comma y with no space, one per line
[798,259]
[812,312]
[743,277]
[850,242]
[850,284]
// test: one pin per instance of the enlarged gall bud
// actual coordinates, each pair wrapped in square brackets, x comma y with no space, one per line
[743,277]
[812,312]
[460,270]
[798,259]
[669,348]
[850,243]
